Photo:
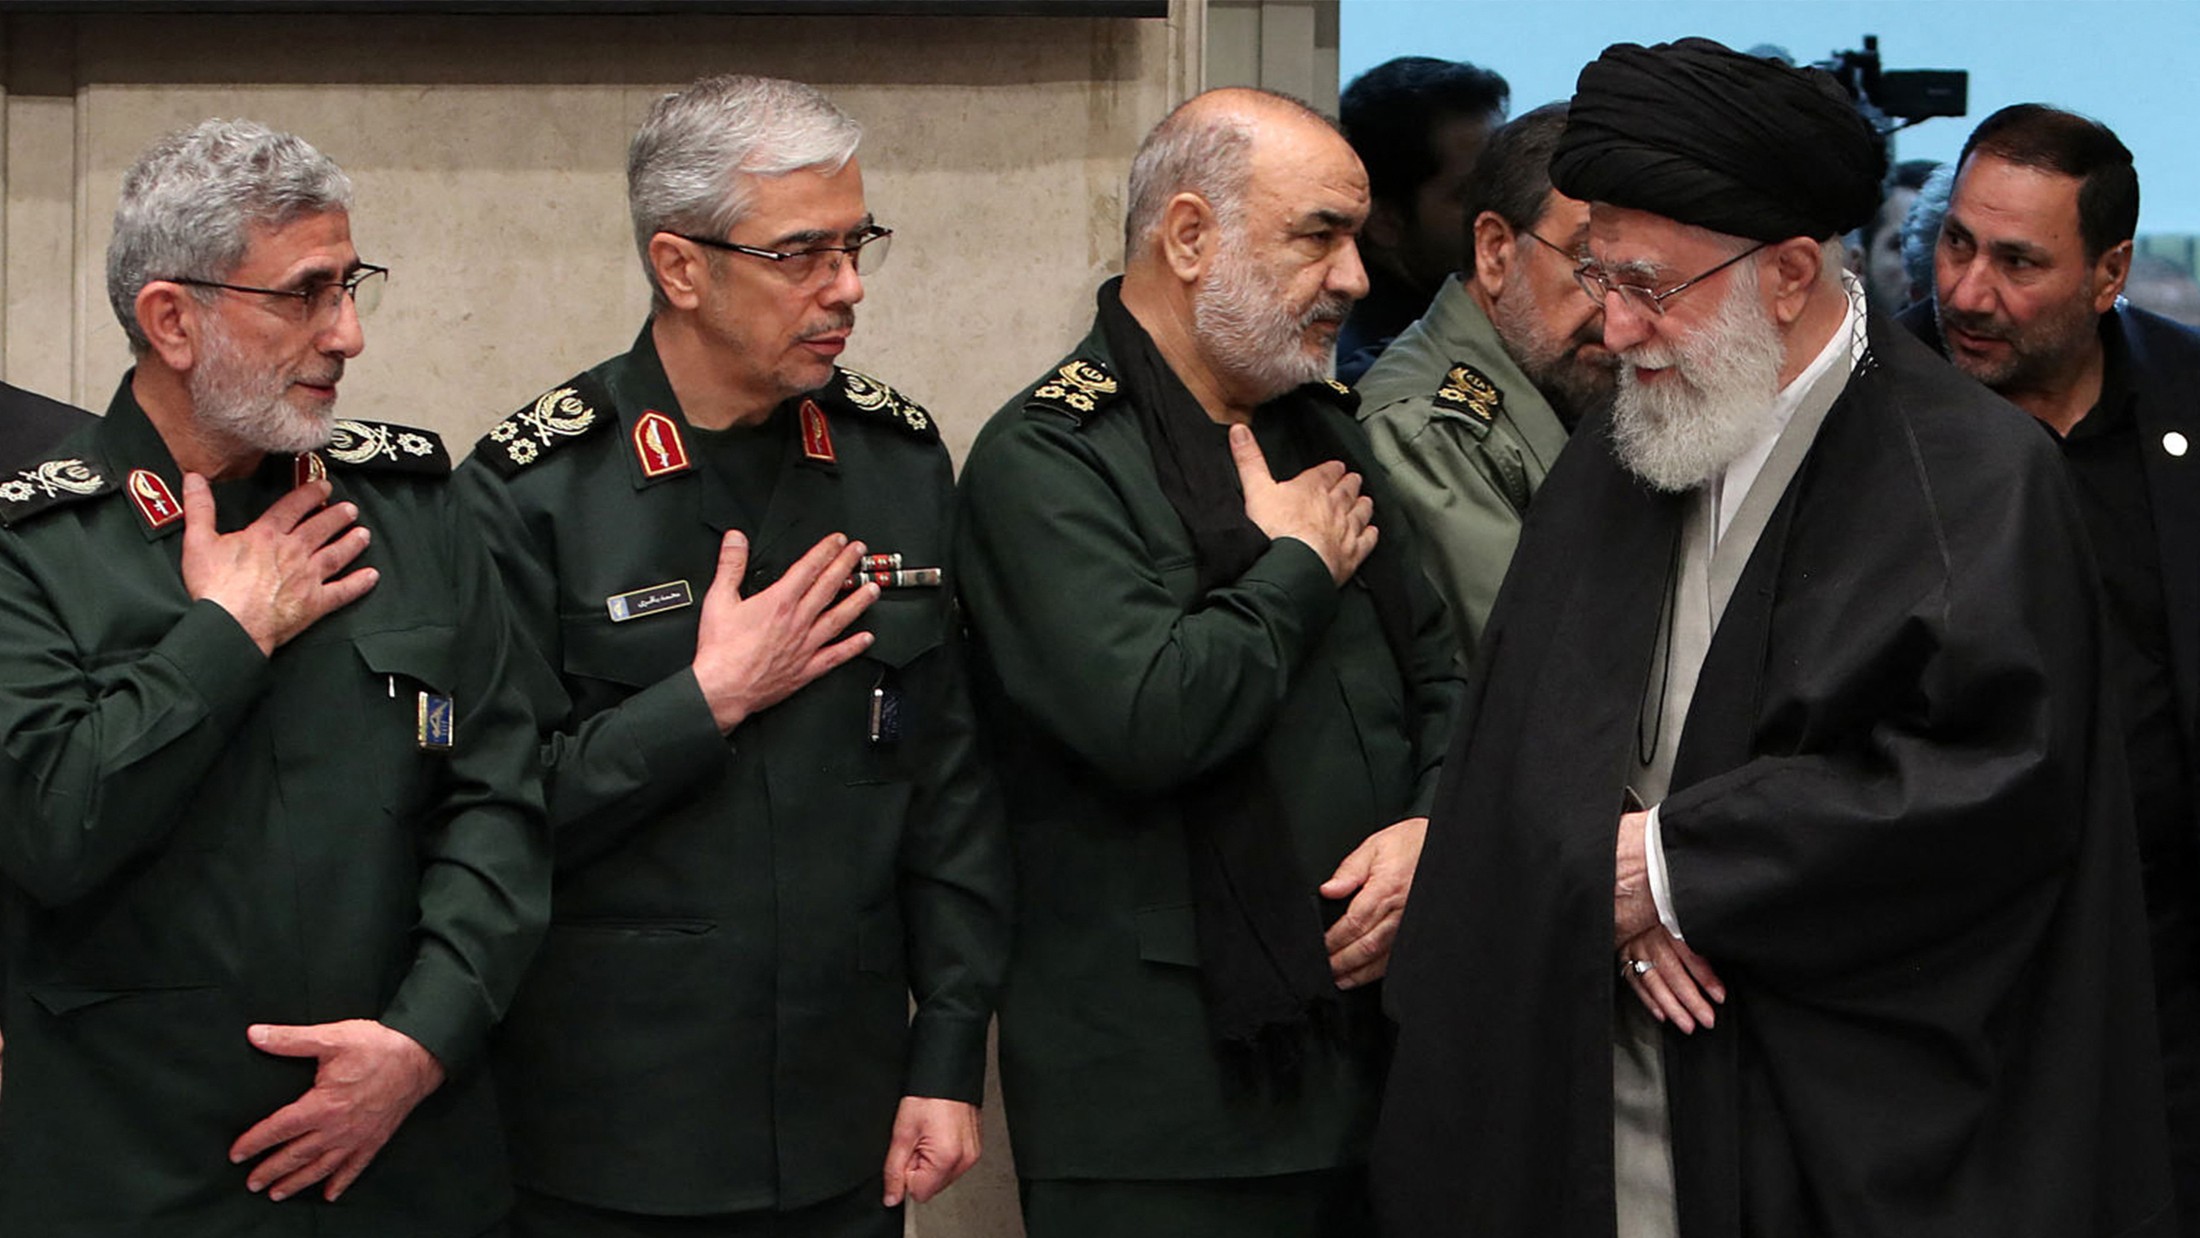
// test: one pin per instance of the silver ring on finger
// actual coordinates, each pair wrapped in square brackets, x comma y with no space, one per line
[1641,967]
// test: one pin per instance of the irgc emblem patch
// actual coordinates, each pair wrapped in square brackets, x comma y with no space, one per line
[1079,386]
[1470,391]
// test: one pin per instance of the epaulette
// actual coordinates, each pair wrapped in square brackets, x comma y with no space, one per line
[45,486]
[1331,391]
[869,395]
[380,446]
[576,407]
[1080,387]
[1470,391]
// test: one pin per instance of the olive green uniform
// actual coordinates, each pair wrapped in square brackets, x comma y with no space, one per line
[198,837]
[1109,685]
[720,1020]
[1467,440]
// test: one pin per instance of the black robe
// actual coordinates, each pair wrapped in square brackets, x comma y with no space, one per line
[1899,829]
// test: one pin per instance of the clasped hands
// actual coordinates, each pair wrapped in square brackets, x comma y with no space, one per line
[1673,982]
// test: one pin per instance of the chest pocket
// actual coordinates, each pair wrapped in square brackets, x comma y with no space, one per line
[352,717]
[603,662]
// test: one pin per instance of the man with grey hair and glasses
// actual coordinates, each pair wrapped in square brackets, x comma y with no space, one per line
[270,807]
[771,823]
[1220,698]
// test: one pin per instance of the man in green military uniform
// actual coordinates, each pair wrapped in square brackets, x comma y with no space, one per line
[1221,702]
[771,824]
[1471,404]
[270,809]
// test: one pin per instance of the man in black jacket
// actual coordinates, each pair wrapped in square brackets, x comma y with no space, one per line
[2028,270]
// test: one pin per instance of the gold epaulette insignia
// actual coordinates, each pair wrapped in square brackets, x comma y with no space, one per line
[869,395]
[48,485]
[1470,391]
[1080,386]
[554,418]
[391,448]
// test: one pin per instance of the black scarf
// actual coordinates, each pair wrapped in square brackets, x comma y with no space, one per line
[1263,966]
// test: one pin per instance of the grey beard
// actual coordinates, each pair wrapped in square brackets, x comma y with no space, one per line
[1677,435]
[1249,331]
[232,398]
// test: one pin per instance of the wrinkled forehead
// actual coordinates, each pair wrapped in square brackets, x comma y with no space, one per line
[1624,239]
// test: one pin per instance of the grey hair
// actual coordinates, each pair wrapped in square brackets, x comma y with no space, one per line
[1200,151]
[690,166]
[191,202]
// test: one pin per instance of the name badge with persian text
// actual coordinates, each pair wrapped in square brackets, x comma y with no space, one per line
[649,600]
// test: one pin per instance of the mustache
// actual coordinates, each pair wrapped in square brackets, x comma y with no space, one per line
[1987,326]
[842,322]
[325,378]
[1332,308]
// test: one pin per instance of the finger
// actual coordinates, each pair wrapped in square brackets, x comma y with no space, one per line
[279,1127]
[897,1165]
[344,590]
[1252,464]
[830,584]
[1362,512]
[324,525]
[1352,872]
[1656,982]
[1372,947]
[926,1180]
[1366,973]
[284,1161]
[346,1174]
[283,514]
[1699,969]
[807,570]
[311,1172]
[289,1040]
[834,654]
[198,510]
[338,555]
[1348,486]
[1359,916]
[733,562]
[1683,985]
[844,612]
[1323,477]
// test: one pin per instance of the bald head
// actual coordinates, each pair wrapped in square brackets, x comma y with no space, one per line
[1240,244]
[1206,146]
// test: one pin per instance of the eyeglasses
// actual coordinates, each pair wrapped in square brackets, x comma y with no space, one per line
[867,252]
[318,300]
[1571,256]
[1597,285]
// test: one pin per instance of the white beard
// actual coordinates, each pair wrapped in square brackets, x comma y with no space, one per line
[1684,429]
[246,403]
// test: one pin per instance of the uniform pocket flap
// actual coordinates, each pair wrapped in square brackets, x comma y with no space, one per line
[903,629]
[64,999]
[1168,935]
[635,654]
[420,654]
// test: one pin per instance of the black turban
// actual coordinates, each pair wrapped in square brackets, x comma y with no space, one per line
[1705,135]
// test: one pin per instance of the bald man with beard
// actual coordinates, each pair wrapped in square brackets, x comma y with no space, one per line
[1783,880]
[1218,687]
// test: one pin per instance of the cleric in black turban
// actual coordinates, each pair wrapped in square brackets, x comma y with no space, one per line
[1706,135]
[1855,689]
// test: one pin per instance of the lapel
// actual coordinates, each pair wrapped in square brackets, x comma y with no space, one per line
[806,503]
[139,461]
[2173,490]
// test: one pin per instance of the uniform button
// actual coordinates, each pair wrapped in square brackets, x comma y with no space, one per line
[2174,443]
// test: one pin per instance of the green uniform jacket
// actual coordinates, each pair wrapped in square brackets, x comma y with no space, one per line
[1467,439]
[719,1020]
[1108,685]
[198,838]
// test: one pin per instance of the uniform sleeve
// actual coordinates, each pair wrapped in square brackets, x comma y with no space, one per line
[621,766]
[955,888]
[1436,684]
[1467,524]
[98,766]
[1087,638]
[485,848]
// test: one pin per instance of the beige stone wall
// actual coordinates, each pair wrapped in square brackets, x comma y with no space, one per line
[488,154]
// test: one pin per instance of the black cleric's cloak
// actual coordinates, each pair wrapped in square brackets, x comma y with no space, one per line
[1899,830]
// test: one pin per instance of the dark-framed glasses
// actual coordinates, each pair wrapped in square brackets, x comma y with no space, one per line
[1597,284]
[866,250]
[319,300]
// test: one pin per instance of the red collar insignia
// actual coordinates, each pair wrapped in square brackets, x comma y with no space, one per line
[307,466]
[817,437]
[658,447]
[156,504]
